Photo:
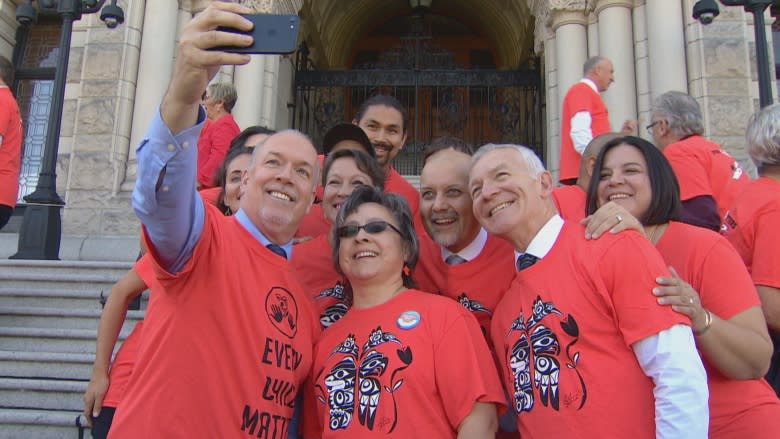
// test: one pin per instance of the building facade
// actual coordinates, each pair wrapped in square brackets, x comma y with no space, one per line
[492,70]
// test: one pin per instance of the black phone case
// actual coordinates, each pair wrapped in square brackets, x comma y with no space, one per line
[272,34]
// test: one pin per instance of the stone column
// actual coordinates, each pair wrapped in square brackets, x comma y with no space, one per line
[666,46]
[616,42]
[155,67]
[593,35]
[571,47]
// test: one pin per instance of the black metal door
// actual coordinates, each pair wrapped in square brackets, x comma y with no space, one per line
[478,106]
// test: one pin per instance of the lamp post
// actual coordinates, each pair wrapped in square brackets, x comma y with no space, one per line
[706,10]
[41,231]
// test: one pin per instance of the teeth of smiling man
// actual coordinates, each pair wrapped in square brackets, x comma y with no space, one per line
[281,196]
[444,221]
[618,196]
[499,207]
[364,254]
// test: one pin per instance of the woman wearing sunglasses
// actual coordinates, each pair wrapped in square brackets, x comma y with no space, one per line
[400,361]
[710,285]
[344,170]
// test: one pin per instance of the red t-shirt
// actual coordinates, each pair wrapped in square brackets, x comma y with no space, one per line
[751,227]
[413,366]
[313,223]
[706,260]
[478,284]
[313,263]
[11,147]
[124,360]
[397,184]
[580,97]
[704,168]
[570,201]
[210,194]
[227,343]
[213,145]
[581,378]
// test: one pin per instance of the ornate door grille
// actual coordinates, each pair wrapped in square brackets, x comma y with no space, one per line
[478,106]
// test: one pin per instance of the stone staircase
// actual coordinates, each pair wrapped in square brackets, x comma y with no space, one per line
[49,312]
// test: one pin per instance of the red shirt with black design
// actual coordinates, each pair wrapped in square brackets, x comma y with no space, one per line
[313,263]
[564,331]
[570,201]
[479,284]
[702,167]
[705,259]
[413,366]
[751,227]
[580,97]
[227,343]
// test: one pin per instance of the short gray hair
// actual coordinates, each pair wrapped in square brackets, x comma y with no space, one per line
[225,93]
[532,161]
[681,111]
[591,64]
[763,136]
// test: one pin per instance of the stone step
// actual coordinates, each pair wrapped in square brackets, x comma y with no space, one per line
[63,318]
[59,365]
[77,341]
[40,424]
[56,281]
[64,267]
[56,298]
[42,394]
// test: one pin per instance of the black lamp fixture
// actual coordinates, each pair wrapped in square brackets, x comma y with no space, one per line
[706,10]
[41,231]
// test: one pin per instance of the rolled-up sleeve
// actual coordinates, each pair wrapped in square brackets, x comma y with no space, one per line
[164,198]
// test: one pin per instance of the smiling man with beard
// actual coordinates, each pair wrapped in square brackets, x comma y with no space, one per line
[383,118]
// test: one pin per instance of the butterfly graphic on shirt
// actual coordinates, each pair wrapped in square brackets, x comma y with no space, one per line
[536,352]
[334,312]
[361,371]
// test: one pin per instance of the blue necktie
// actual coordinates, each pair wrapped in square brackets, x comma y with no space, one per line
[454,259]
[277,249]
[525,260]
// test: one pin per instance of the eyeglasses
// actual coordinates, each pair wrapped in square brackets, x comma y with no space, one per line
[374,227]
[649,128]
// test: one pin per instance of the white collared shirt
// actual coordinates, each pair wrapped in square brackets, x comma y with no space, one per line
[472,250]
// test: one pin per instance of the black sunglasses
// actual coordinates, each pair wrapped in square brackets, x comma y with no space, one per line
[374,227]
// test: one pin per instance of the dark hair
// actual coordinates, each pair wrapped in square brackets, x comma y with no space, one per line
[665,190]
[364,162]
[240,140]
[220,178]
[398,208]
[446,142]
[384,100]
[6,71]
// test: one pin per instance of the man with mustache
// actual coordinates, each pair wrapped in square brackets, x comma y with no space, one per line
[384,120]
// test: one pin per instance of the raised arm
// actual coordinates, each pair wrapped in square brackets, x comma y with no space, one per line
[164,197]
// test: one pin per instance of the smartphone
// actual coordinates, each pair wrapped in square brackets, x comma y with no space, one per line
[271,34]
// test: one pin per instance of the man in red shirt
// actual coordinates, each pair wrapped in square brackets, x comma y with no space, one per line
[10,142]
[584,348]
[383,118]
[584,115]
[570,200]
[710,179]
